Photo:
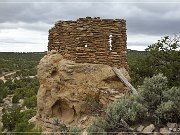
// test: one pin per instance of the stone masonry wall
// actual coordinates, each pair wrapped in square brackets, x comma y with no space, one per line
[87,40]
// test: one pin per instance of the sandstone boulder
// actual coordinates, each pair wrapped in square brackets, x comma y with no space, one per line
[74,93]
[140,128]
[149,129]
[32,120]
[172,125]
[164,131]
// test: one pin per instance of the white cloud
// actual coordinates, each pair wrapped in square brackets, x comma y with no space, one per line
[38,26]
[141,41]
[22,40]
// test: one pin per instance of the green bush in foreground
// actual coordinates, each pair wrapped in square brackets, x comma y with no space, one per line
[30,102]
[154,101]
[12,117]
[74,131]
[169,109]
[161,102]
[98,127]
[23,127]
[151,92]
[26,129]
[122,113]
[15,98]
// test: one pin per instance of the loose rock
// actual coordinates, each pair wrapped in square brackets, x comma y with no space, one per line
[164,131]
[140,128]
[149,129]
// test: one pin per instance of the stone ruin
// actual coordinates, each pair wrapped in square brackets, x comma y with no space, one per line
[79,73]
[91,40]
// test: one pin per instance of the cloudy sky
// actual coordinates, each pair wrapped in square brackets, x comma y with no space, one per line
[24,24]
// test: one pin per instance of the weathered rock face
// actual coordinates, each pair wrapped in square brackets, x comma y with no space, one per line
[74,92]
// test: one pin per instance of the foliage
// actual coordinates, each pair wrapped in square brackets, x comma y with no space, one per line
[10,118]
[161,102]
[28,114]
[139,68]
[166,111]
[154,101]
[13,116]
[26,89]
[161,57]
[151,92]
[169,109]
[64,129]
[27,129]
[23,127]
[122,111]
[22,85]
[3,93]
[98,127]
[118,116]
[23,63]
[172,94]
[22,88]
[30,102]
[74,131]
[15,98]
[61,125]
[92,103]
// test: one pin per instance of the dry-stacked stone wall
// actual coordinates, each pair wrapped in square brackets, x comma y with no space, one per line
[91,40]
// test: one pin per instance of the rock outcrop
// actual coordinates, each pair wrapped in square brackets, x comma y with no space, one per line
[74,93]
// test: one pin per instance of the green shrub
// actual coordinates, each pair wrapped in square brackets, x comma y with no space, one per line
[23,127]
[10,118]
[26,129]
[169,109]
[15,98]
[3,93]
[160,57]
[61,126]
[30,102]
[151,92]
[172,94]
[98,127]
[161,102]
[123,110]
[154,102]
[28,114]
[1,82]
[167,112]
[92,103]
[74,131]
[118,116]
[36,131]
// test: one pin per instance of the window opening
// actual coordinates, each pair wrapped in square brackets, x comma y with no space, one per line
[110,42]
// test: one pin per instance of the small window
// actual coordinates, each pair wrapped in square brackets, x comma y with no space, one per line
[85,45]
[110,42]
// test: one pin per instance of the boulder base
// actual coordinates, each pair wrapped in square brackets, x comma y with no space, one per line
[74,93]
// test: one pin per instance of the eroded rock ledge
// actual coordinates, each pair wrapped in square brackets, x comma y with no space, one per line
[74,92]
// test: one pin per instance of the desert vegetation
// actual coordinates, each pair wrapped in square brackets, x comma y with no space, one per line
[18,90]
[155,73]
